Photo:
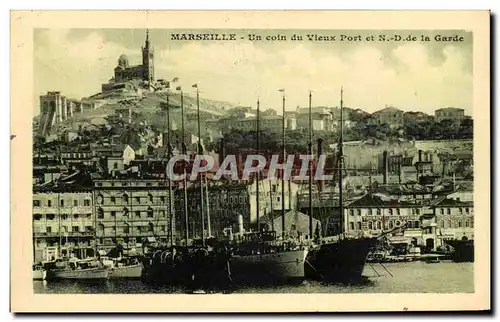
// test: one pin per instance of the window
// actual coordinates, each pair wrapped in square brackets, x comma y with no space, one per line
[113,199]
[351,225]
[379,225]
[100,199]
[410,224]
[162,213]
[100,213]
[441,224]
[417,211]
[75,203]
[138,199]
[86,202]
[359,212]
[88,229]
[75,216]
[126,229]
[150,227]
[370,212]
[162,228]
[36,203]
[64,217]
[76,229]
[391,225]
[467,223]
[459,224]
[448,211]
[359,225]
[397,211]
[398,223]
[49,229]
[442,211]
[125,198]
[113,214]
[471,224]
[460,210]
[390,212]
[138,214]
[150,212]
[124,183]
[378,212]
[62,202]
[150,198]
[351,211]
[417,224]
[162,199]
[125,212]
[467,210]
[370,225]
[448,223]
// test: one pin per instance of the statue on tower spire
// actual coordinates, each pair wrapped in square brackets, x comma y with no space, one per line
[147,38]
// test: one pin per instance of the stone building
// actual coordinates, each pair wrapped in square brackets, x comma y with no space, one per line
[63,221]
[132,212]
[389,115]
[450,113]
[124,72]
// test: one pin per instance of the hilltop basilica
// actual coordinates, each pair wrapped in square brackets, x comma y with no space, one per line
[124,73]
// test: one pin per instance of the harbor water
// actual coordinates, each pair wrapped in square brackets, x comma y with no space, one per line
[408,277]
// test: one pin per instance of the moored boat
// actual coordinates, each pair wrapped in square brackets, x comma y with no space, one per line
[267,262]
[123,267]
[79,270]
[463,249]
[39,273]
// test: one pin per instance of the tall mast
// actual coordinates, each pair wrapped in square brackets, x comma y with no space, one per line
[341,158]
[184,152]
[200,152]
[310,168]
[283,173]
[258,172]
[170,193]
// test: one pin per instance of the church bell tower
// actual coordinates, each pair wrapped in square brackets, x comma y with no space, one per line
[148,62]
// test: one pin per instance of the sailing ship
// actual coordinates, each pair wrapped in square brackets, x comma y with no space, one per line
[339,258]
[259,257]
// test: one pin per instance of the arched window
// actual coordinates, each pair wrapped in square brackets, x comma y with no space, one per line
[379,225]
[370,225]
[125,198]
[100,199]
[448,223]
[467,223]
[150,212]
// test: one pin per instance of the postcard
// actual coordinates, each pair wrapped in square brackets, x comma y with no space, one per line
[250,161]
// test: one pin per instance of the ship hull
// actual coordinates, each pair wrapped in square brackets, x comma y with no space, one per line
[271,268]
[39,274]
[131,271]
[341,261]
[81,274]
[463,250]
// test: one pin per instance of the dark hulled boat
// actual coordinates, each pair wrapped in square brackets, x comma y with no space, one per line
[343,259]
[340,261]
[463,249]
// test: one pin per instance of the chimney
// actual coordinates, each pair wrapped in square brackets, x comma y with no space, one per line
[320,152]
[385,161]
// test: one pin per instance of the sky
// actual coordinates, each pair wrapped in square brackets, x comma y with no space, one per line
[412,76]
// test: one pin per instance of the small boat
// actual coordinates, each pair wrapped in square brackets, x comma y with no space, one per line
[123,267]
[39,273]
[80,270]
